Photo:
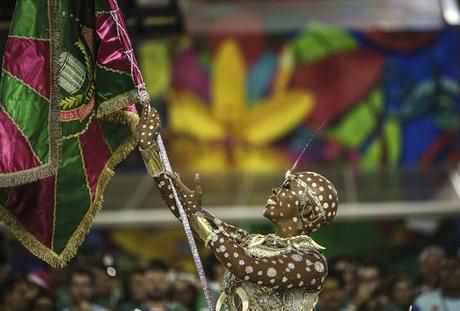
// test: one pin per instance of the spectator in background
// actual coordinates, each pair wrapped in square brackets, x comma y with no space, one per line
[400,293]
[4,268]
[38,282]
[12,293]
[214,271]
[367,293]
[447,298]
[333,296]
[158,289]
[185,291]
[344,266]
[81,287]
[43,302]
[105,293]
[430,261]
[133,290]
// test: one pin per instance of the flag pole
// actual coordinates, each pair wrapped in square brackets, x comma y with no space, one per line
[144,100]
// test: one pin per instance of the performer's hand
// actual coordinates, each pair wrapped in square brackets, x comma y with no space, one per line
[148,128]
[191,200]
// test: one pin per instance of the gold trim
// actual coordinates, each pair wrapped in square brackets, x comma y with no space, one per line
[113,70]
[54,128]
[28,38]
[117,103]
[77,238]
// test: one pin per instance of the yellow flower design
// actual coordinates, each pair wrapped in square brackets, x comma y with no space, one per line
[228,134]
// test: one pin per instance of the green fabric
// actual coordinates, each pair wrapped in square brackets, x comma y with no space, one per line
[29,111]
[71,206]
[4,193]
[109,80]
[29,10]
[114,135]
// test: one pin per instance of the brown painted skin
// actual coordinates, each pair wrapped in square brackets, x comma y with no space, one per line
[294,268]
[306,268]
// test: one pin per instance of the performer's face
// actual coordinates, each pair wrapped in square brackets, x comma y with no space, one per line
[285,203]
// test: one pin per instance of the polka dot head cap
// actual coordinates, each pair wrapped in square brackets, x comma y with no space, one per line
[320,193]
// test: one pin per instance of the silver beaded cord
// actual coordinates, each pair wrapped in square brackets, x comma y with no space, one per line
[186,225]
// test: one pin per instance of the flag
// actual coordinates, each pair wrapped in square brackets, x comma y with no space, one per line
[67,102]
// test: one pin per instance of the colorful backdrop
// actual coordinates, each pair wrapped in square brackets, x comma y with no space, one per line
[251,101]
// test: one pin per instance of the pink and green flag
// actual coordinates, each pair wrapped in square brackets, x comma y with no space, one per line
[67,101]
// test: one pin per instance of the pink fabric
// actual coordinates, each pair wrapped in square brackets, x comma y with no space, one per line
[115,42]
[95,154]
[15,153]
[29,61]
[131,108]
[33,205]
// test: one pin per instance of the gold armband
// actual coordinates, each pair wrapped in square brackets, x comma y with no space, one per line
[152,160]
[203,228]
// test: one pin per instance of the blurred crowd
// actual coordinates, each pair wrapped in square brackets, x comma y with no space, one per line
[352,284]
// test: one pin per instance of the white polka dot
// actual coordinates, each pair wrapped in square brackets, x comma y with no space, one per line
[296,257]
[284,279]
[313,282]
[291,265]
[314,185]
[260,273]
[300,283]
[222,248]
[326,205]
[259,282]
[319,266]
[249,269]
[271,272]
[241,262]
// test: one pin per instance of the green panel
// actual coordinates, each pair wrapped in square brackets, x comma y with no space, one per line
[4,194]
[101,5]
[356,125]
[393,138]
[29,111]
[114,133]
[371,157]
[30,19]
[155,54]
[319,41]
[72,194]
[110,83]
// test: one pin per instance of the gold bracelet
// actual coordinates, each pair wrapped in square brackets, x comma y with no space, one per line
[152,160]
